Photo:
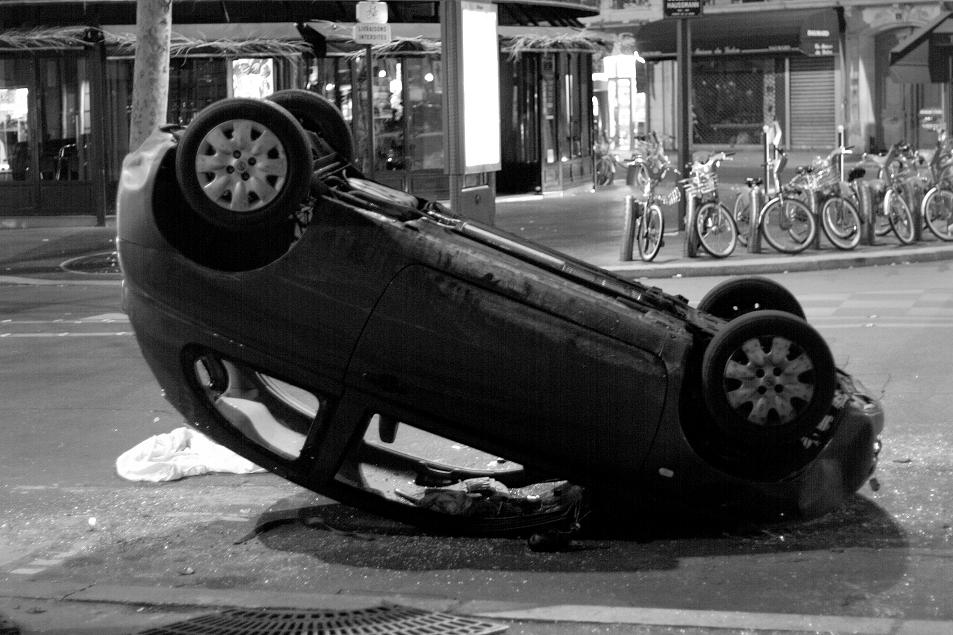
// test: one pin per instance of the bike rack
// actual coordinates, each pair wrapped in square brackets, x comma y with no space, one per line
[690,245]
[632,212]
[754,229]
[866,200]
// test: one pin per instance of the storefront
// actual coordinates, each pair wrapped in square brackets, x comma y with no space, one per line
[65,97]
[48,145]
[783,67]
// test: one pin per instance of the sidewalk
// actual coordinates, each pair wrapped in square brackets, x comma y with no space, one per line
[580,222]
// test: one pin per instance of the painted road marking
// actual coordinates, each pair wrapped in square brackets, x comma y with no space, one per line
[23,280]
[721,619]
[32,328]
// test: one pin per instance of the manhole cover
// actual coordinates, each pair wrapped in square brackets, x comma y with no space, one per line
[381,620]
[106,262]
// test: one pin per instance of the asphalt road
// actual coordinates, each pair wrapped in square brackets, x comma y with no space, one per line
[75,393]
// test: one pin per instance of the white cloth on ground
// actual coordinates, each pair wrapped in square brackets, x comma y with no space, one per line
[178,454]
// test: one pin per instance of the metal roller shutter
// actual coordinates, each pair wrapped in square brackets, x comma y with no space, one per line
[812,102]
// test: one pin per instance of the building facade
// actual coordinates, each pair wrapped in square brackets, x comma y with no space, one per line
[811,66]
[66,73]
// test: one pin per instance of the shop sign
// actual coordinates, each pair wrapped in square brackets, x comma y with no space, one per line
[819,34]
[372,33]
[682,8]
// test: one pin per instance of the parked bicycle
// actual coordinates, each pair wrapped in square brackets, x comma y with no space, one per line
[713,228]
[936,207]
[604,165]
[837,207]
[900,187]
[785,220]
[651,166]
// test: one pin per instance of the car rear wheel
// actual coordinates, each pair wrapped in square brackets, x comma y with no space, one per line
[243,164]
[319,116]
[768,380]
[739,296]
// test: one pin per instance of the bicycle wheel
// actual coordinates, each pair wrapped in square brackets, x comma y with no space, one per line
[649,233]
[603,173]
[898,213]
[742,216]
[937,209]
[716,230]
[841,222]
[787,225]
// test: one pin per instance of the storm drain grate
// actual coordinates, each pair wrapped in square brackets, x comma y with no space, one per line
[388,619]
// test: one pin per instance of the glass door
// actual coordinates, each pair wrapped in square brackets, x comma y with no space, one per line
[64,127]
[17,167]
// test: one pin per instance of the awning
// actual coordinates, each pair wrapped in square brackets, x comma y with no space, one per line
[51,12]
[919,59]
[814,32]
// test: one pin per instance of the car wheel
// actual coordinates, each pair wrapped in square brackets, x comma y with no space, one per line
[739,296]
[319,116]
[768,380]
[243,164]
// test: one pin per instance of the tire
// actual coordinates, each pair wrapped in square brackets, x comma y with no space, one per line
[742,215]
[650,232]
[788,225]
[841,222]
[243,164]
[739,296]
[768,380]
[604,172]
[937,210]
[319,116]
[716,230]
[898,213]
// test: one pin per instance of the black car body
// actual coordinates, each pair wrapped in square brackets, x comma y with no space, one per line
[284,338]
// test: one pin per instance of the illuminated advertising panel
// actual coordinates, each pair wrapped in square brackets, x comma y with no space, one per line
[481,87]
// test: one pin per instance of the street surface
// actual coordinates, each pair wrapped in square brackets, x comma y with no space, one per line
[76,394]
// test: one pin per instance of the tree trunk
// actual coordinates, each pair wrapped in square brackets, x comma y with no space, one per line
[150,84]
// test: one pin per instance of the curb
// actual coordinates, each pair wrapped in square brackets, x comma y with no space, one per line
[705,266]
[199,598]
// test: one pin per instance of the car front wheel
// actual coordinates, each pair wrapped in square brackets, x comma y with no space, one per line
[768,380]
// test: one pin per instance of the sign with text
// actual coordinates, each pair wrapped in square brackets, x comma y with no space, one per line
[372,33]
[682,8]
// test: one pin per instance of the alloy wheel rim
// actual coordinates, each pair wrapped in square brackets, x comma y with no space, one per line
[242,166]
[769,380]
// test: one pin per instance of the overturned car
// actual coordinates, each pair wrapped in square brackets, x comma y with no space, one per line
[305,317]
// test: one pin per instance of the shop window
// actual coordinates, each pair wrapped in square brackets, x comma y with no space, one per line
[15,133]
[195,83]
[729,100]
[253,77]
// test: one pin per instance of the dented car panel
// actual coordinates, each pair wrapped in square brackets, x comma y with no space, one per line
[420,317]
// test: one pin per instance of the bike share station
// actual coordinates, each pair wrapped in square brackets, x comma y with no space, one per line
[857,213]
[682,11]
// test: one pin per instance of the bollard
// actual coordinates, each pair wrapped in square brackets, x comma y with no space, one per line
[816,213]
[913,200]
[866,200]
[628,230]
[841,142]
[754,229]
[690,249]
